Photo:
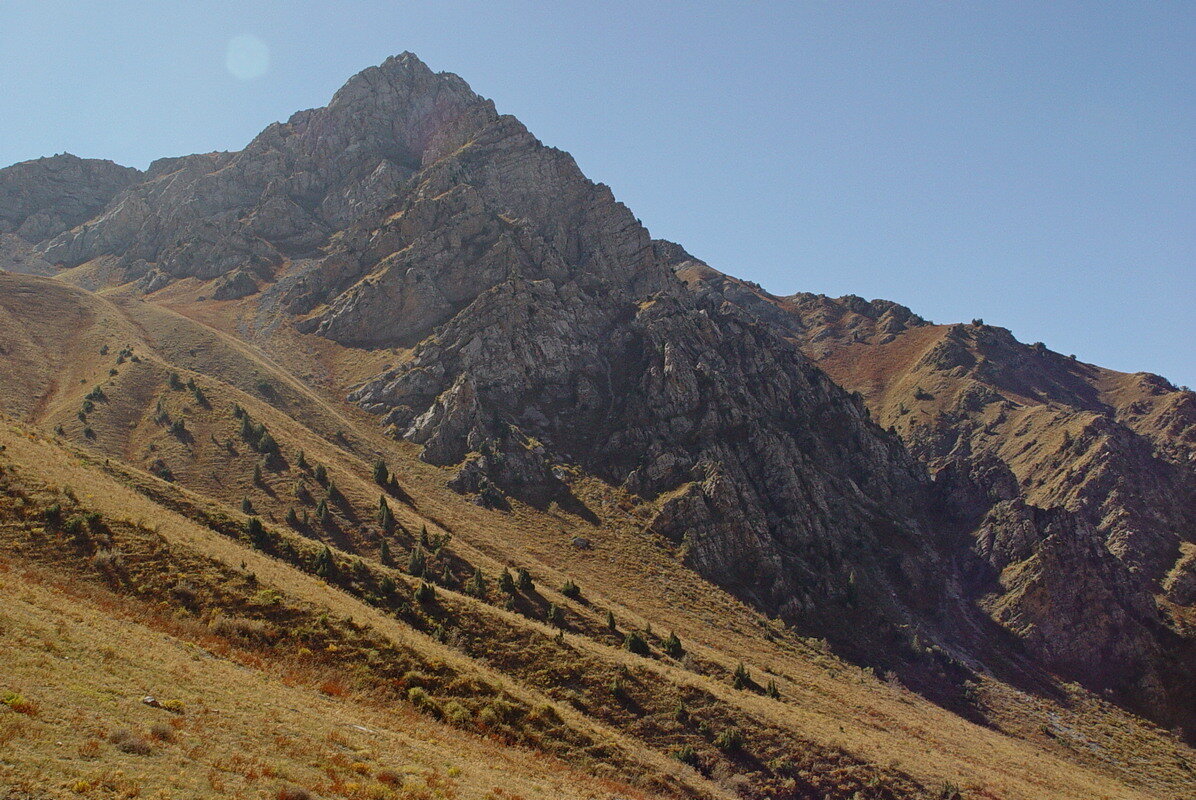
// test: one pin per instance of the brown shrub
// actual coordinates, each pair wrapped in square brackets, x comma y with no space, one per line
[162,732]
[128,742]
[252,630]
[389,777]
[294,793]
[20,704]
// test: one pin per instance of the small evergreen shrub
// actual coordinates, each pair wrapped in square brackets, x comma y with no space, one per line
[506,584]
[634,642]
[742,679]
[417,564]
[687,755]
[729,740]
[325,565]
[523,580]
[257,533]
[476,585]
[425,592]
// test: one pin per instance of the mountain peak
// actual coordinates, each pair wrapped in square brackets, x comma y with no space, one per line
[404,83]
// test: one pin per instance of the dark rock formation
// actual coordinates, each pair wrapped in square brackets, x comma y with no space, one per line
[47,196]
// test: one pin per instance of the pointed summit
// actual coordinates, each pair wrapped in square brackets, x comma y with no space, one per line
[406,100]
[294,184]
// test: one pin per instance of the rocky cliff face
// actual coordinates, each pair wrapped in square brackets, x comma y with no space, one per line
[42,198]
[1010,430]
[540,333]
[204,216]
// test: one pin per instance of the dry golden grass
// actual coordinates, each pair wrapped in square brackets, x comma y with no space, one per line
[831,706]
[242,732]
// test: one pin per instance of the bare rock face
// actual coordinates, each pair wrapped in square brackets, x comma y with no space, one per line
[43,198]
[770,475]
[298,181]
[1067,597]
[234,286]
[1008,430]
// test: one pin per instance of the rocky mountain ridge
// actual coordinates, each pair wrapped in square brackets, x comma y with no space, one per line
[1075,482]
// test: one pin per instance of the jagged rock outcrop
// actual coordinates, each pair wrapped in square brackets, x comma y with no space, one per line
[47,196]
[1062,592]
[297,182]
[1008,430]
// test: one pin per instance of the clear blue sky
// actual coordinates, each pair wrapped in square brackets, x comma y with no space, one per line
[1033,164]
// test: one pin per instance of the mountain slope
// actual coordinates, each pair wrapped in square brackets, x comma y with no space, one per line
[407,281]
[1007,428]
[829,712]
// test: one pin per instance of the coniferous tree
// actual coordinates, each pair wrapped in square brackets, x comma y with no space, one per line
[672,646]
[292,518]
[381,473]
[325,564]
[386,518]
[611,625]
[571,590]
[246,505]
[322,511]
[266,443]
[523,579]
[257,533]
[506,584]
[418,563]
[634,642]
[321,474]
[384,554]
[476,585]
[742,678]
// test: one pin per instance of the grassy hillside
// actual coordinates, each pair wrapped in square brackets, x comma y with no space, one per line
[280,636]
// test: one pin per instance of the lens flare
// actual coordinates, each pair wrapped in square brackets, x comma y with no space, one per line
[247,57]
